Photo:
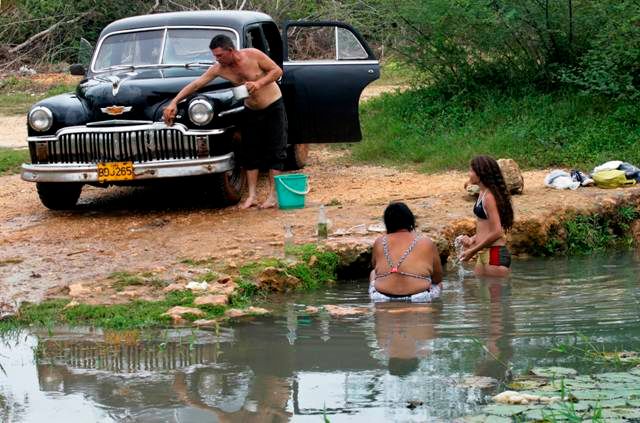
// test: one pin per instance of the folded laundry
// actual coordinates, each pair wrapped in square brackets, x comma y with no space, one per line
[560,179]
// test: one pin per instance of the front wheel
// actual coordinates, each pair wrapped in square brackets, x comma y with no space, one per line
[297,155]
[226,187]
[58,196]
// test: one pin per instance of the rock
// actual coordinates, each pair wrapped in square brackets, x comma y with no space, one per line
[197,286]
[226,288]
[6,310]
[223,279]
[513,397]
[342,311]
[412,404]
[312,261]
[177,312]
[212,300]
[251,311]
[377,228]
[274,279]
[175,287]
[512,175]
[70,304]
[206,323]
[311,310]
[77,290]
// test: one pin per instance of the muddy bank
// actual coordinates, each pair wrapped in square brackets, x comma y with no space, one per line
[147,229]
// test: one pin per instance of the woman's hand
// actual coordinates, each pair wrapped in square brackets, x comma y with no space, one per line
[467,240]
[467,255]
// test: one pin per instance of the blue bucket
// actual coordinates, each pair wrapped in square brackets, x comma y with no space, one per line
[291,190]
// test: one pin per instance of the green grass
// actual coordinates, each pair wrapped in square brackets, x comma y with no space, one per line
[121,280]
[133,315]
[11,159]
[19,94]
[427,131]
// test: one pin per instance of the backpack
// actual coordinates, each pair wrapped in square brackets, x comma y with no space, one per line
[611,179]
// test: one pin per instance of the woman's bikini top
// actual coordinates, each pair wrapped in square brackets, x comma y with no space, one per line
[478,209]
[394,267]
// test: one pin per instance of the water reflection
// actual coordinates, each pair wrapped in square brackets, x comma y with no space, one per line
[297,367]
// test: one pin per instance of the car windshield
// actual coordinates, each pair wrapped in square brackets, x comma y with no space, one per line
[144,48]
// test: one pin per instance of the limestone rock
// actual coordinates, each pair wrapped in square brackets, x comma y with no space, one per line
[512,175]
[513,397]
[175,287]
[177,312]
[223,288]
[212,300]
[205,323]
[342,311]
[197,286]
[274,279]
[250,311]
[6,310]
[77,290]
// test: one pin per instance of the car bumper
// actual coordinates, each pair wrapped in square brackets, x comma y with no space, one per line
[88,173]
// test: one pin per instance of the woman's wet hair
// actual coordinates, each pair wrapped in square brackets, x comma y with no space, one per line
[397,217]
[489,173]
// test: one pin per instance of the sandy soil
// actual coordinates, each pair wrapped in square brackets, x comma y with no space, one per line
[138,229]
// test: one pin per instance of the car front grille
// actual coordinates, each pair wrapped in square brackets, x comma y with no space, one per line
[135,145]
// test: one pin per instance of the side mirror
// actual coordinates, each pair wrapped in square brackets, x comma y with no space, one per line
[77,69]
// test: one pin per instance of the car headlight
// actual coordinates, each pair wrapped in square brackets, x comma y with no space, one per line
[40,118]
[200,112]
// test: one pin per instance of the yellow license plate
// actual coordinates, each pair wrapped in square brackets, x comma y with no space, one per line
[115,171]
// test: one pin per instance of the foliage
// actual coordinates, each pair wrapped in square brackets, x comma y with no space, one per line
[10,160]
[583,234]
[432,131]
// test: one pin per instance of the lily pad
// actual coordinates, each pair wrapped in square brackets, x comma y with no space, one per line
[619,377]
[554,372]
[487,419]
[621,413]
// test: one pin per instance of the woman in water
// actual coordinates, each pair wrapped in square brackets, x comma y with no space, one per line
[494,216]
[406,266]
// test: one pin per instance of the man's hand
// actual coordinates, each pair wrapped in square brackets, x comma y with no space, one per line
[252,86]
[170,113]
[467,255]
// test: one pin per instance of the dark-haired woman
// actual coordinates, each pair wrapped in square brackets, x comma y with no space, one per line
[494,216]
[406,266]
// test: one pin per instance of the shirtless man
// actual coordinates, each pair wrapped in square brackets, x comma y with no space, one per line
[264,131]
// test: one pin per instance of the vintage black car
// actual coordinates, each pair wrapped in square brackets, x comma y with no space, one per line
[110,131]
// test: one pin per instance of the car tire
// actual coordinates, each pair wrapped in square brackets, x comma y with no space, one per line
[297,155]
[226,187]
[58,196]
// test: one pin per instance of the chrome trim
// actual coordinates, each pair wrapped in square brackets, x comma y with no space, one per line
[231,111]
[155,28]
[47,112]
[209,108]
[330,62]
[116,122]
[107,129]
[142,171]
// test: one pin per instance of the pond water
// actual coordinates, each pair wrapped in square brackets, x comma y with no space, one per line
[298,367]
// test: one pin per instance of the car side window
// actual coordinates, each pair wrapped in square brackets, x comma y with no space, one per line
[255,39]
[323,43]
[274,41]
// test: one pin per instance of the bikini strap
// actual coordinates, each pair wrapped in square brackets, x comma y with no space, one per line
[385,250]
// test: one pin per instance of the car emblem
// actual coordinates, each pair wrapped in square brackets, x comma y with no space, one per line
[115,110]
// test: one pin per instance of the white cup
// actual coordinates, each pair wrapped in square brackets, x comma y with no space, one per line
[240,92]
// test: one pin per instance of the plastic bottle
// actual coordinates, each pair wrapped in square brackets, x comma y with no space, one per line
[323,229]
[288,242]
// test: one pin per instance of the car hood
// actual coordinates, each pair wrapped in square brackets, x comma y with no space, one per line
[140,92]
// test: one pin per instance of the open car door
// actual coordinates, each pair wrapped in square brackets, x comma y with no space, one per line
[326,67]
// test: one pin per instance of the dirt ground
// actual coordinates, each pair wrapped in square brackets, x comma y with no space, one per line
[142,229]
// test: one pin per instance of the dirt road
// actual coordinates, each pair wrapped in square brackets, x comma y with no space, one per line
[139,229]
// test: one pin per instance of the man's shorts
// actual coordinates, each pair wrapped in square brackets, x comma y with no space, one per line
[264,137]
[497,255]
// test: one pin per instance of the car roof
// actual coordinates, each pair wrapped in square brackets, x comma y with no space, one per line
[236,19]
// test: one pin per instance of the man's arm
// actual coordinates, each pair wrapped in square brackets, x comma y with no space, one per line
[272,71]
[170,111]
